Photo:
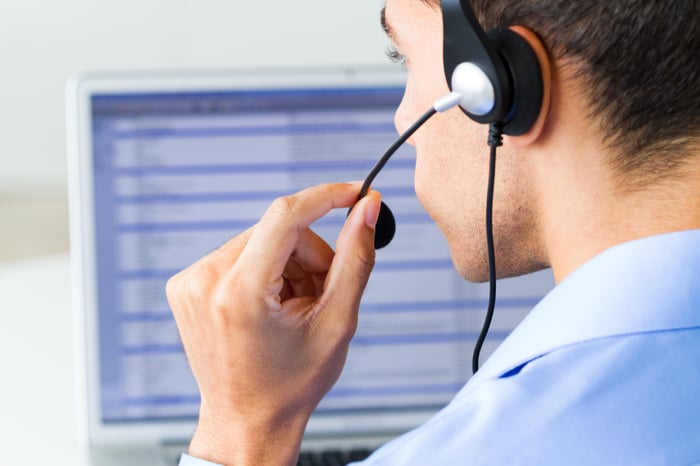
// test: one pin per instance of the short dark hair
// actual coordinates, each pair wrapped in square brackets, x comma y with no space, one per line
[639,63]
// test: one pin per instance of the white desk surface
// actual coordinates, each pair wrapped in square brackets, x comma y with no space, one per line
[38,422]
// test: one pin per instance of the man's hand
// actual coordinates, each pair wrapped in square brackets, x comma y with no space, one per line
[266,321]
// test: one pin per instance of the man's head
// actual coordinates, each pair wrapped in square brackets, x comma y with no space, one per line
[624,83]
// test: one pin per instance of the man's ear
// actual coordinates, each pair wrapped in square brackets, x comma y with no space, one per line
[543,58]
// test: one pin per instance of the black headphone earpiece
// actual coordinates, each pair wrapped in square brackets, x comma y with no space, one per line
[497,73]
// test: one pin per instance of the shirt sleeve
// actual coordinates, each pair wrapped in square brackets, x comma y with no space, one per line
[187,460]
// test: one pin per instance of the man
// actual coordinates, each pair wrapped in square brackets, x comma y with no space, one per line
[604,189]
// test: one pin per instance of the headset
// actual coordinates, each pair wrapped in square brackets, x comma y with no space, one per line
[496,79]
[496,73]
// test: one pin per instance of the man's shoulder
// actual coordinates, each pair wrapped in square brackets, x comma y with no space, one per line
[627,399]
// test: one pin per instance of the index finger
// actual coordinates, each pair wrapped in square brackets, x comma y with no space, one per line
[276,235]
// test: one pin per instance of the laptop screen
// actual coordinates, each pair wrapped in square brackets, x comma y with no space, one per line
[175,172]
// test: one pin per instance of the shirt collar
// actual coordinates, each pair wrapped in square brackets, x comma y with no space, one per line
[652,284]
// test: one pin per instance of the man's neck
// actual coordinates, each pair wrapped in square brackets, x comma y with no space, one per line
[585,205]
[593,214]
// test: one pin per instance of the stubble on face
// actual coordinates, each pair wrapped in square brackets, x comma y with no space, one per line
[451,182]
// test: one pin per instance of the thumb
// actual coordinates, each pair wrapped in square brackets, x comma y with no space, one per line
[354,257]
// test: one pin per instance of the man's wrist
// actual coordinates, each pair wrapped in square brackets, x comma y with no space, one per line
[229,441]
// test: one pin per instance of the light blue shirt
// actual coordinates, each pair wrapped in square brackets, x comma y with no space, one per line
[604,370]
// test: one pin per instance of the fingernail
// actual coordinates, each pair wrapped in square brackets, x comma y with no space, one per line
[372,209]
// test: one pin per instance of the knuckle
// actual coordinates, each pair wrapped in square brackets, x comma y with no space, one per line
[200,281]
[235,287]
[283,206]
[220,300]
[224,295]
[172,286]
[192,286]
[175,287]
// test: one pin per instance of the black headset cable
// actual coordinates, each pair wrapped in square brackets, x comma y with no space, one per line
[495,140]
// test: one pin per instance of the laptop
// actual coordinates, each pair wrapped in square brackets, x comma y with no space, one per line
[166,166]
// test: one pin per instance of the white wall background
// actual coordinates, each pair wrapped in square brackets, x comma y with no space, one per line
[42,42]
